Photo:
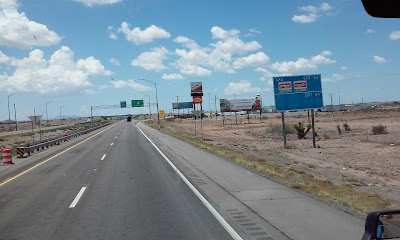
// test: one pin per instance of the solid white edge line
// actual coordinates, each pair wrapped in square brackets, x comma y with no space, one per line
[80,193]
[214,212]
[104,156]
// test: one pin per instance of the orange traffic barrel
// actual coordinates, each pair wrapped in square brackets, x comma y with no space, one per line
[7,158]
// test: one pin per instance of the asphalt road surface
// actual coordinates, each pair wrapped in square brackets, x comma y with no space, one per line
[115,185]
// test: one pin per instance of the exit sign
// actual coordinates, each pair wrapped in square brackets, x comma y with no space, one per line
[122,104]
[137,103]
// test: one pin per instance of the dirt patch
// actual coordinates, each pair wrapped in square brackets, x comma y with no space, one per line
[352,157]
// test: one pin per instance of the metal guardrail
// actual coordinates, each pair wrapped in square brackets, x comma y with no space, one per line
[31,149]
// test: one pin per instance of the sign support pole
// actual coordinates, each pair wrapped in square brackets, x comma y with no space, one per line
[260,115]
[91,115]
[216,115]
[194,117]
[283,129]
[248,116]
[33,134]
[236,117]
[313,127]
[201,120]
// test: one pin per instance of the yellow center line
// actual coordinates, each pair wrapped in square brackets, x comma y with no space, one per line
[43,162]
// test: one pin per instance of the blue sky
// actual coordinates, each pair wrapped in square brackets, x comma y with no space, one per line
[82,53]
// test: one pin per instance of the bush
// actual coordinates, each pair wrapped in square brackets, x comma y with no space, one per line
[346,127]
[380,129]
[301,130]
[277,129]
[339,130]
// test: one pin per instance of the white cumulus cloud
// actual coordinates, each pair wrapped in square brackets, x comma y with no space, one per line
[59,74]
[91,3]
[172,76]
[219,55]
[311,13]
[17,31]
[253,60]
[152,60]
[138,36]
[194,70]
[343,68]
[370,31]
[114,61]
[129,83]
[379,59]
[334,78]
[241,87]
[395,35]
[301,64]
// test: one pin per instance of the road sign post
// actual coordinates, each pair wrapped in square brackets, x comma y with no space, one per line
[298,93]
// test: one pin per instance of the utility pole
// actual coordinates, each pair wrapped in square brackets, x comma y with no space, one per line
[209,103]
[339,97]
[331,103]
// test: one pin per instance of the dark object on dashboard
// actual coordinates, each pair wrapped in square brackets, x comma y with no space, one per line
[382,8]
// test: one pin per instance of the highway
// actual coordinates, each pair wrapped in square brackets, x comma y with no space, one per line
[129,181]
[113,186]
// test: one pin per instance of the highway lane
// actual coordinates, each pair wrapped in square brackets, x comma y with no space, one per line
[113,186]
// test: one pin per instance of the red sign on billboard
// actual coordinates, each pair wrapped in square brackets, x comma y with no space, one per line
[300,85]
[197,99]
[285,86]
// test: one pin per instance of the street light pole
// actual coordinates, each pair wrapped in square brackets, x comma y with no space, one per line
[9,115]
[15,117]
[47,116]
[155,86]
[60,111]
[149,103]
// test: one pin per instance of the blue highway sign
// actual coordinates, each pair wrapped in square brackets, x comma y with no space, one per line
[298,92]
[182,105]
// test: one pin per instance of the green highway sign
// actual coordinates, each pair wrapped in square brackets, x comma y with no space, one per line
[137,103]
[123,104]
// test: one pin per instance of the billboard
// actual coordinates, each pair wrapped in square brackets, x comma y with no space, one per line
[242,104]
[182,105]
[196,89]
[298,92]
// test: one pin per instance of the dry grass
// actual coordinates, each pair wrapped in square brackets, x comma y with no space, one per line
[345,195]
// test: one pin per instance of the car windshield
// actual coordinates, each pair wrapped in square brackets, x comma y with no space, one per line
[152,119]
